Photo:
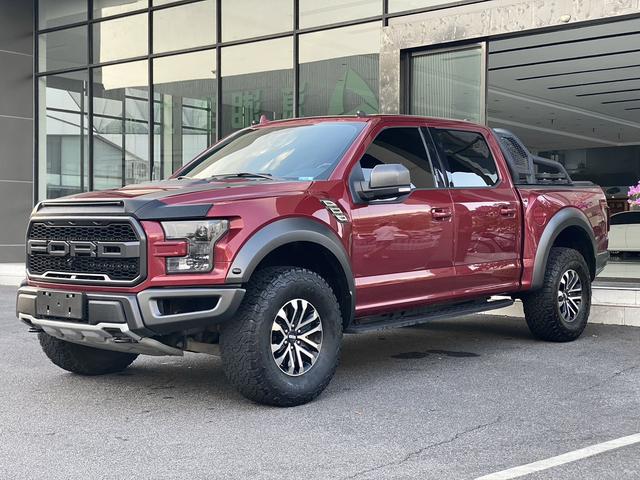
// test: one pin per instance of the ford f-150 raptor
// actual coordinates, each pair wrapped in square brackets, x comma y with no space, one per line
[271,244]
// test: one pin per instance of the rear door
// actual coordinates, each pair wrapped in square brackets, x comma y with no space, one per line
[402,249]
[486,211]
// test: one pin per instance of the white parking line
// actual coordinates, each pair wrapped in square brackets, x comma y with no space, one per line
[568,457]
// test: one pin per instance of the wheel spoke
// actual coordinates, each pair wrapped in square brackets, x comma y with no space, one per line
[311,318]
[306,352]
[282,357]
[299,359]
[311,343]
[283,316]
[317,328]
[291,360]
[574,304]
[303,306]
[275,347]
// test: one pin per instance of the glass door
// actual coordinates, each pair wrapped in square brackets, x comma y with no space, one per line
[448,83]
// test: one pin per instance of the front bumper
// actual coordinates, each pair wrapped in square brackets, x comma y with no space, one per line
[125,322]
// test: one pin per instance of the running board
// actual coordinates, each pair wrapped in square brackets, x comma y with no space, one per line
[435,313]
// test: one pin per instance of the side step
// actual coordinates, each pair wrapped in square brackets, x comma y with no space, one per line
[426,315]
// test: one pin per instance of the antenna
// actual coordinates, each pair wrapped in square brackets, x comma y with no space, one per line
[361,114]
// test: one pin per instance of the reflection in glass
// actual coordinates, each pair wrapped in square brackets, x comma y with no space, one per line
[314,13]
[253,18]
[184,26]
[63,156]
[404,5]
[120,125]
[257,79]
[339,70]
[120,38]
[448,84]
[63,49]
[56,13]
[184,114]
[106,8]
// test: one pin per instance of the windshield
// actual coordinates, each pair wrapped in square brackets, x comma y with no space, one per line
[292,152]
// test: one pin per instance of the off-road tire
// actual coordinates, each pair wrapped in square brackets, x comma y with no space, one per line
[245,341]
[83,360]
[541,308]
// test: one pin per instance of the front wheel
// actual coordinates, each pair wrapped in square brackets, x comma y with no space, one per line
[83,360]
[559,311]
[283,346]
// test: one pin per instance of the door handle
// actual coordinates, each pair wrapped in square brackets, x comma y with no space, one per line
[441,213]
[507,210]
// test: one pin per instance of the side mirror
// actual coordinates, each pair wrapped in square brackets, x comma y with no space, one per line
[387,181]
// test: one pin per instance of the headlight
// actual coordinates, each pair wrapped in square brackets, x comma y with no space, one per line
[201,236]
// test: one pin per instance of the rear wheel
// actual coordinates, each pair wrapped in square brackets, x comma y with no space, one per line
[84,360]
[559,311]
[283,346]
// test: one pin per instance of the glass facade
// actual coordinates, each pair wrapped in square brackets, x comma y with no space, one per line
[339,70]
[130,90]
[257,79]
[448,84]
[64,99]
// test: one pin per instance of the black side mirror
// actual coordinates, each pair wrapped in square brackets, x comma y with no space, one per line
[387,181]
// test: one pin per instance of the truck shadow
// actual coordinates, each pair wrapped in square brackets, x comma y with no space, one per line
[197,381]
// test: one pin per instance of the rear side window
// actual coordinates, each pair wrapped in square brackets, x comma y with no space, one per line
[467,158]
[626,218]
[404,146]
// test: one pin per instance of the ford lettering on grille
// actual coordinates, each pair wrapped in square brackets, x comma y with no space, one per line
[61,248]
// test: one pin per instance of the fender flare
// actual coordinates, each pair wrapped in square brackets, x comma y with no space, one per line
[567,217]
[282,232]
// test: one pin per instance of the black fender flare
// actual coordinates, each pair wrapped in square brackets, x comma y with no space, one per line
[282,232]
[567,217]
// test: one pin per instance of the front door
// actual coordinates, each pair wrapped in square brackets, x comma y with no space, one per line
[402,249]
[486,210]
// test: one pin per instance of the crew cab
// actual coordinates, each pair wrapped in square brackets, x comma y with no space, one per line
[271,244]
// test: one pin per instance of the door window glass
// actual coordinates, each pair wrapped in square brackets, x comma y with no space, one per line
[403,146]
[468,159]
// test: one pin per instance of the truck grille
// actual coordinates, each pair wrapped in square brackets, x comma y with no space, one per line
[112,232]
[88,264]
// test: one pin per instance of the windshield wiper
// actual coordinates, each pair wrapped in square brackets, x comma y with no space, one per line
[268,176]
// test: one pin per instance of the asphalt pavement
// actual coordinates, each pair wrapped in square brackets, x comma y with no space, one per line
[453,399]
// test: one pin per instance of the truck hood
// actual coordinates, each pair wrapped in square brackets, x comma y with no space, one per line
[172,198]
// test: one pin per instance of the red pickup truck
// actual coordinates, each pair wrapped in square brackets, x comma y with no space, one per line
[270,245]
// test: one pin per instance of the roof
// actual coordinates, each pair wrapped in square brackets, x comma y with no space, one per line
[364,118]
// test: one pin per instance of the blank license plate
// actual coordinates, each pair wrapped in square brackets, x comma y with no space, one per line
[60,304]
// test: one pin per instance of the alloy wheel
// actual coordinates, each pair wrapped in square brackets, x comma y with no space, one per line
[296,337]
[570,295]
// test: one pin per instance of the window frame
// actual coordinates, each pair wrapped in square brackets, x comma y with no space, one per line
[436,166]
[445,162]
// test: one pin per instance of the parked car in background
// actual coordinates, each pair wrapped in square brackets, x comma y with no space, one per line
[624,235]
